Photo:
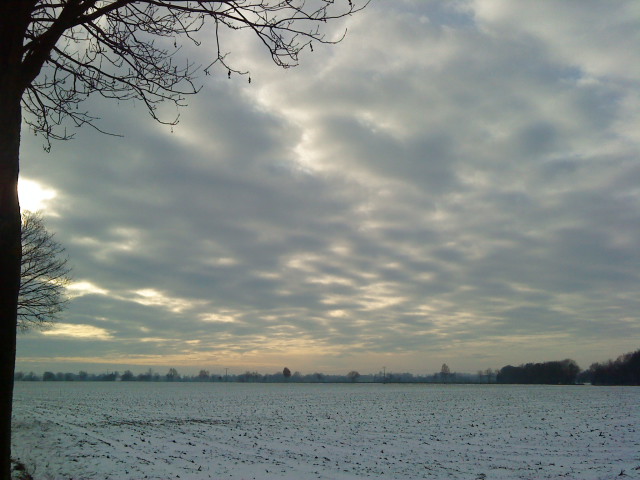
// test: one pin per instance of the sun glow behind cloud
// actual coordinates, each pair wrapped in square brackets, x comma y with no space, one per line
[34,196]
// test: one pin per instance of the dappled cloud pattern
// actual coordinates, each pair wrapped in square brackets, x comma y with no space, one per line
[456,181]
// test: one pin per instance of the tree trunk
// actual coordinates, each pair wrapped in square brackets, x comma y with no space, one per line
[12,25]
[10,252]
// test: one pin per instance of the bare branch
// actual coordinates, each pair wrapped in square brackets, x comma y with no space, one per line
[127,50]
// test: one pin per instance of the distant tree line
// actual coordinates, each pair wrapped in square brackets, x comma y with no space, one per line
[625,370]
[285,375]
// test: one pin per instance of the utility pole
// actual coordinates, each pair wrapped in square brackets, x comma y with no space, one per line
[384,374]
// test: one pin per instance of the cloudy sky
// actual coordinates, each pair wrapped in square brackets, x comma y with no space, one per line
[457,181]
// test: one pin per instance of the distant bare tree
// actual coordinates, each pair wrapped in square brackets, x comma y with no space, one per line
[445,373]
[353,376]
[44,273]
[490,375]
[286,372]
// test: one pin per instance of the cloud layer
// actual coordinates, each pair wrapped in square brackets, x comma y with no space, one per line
[455,181]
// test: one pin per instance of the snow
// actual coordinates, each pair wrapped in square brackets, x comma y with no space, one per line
[93,430]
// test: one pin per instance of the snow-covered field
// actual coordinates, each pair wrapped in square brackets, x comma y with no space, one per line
[297,431]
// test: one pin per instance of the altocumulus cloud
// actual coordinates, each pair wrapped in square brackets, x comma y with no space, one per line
[456,181]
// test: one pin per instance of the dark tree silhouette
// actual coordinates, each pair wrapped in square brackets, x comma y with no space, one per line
[56,53]
[625,370]
[353,376]
[286,373]
[552,373]
[43,275]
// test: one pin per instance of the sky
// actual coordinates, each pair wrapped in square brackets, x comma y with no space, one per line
[456,181]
